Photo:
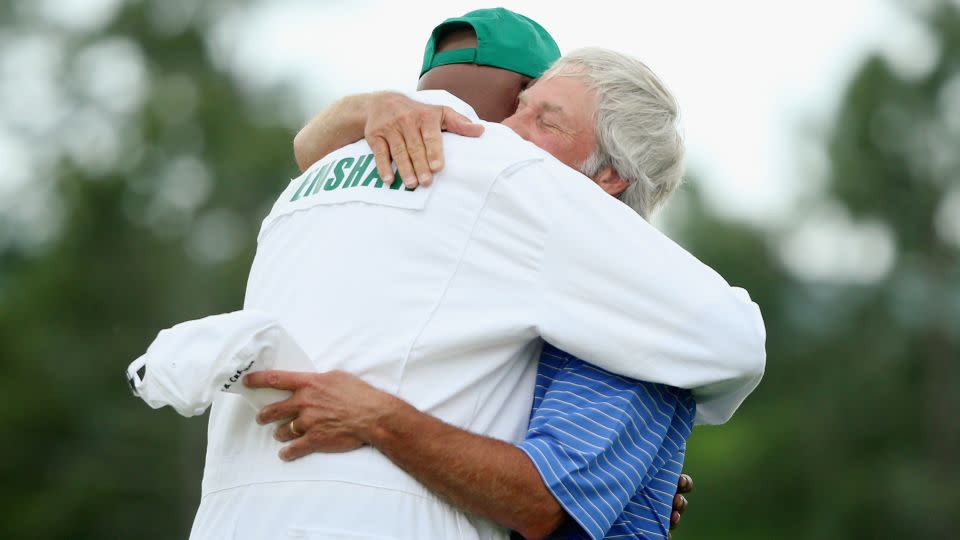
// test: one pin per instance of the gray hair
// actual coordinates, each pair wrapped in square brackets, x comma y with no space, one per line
[637,125]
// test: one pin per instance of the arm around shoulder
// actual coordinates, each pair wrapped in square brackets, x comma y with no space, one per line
[737,346]
[619,293]
[338,125]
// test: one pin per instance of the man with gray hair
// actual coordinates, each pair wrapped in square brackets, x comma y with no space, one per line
[636,132]
[512,246]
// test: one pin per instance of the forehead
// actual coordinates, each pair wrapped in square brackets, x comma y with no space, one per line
[569,95]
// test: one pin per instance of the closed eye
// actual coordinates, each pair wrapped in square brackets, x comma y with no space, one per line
[546,124]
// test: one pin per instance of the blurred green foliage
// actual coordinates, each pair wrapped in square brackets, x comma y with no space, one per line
[852,433]
[81,458]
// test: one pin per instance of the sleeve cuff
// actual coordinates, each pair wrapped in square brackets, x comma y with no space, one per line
[539,450]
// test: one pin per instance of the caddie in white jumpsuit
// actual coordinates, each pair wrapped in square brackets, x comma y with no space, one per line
[440,295]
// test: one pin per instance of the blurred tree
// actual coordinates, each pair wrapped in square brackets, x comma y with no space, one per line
[149,182]
[852,433]
[160,174]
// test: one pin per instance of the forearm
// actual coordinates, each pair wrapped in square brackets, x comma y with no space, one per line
[479,474]
[338,125]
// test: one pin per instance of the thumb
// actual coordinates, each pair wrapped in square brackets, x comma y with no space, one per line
[455,122]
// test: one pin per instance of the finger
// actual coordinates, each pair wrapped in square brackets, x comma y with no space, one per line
[433,142]
[685,484]
[288,431]
[674,520]
[281,410]
[381,153]
[281,380]
[413,138]
[398,152]
[455,122]
[679,503]
[296,450]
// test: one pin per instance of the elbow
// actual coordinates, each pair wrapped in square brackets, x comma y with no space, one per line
[737,351]
[749,357]
[542,525]
[755,353]
[749,338]
[300,150]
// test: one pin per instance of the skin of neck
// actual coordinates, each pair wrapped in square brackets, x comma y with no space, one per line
[491,91]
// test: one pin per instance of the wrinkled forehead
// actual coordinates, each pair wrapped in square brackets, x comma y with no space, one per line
[567,69]
[570,98]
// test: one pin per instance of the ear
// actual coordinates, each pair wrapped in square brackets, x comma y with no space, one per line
[610,181]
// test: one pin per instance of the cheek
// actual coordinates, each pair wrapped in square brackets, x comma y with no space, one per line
[538,138]
[557,147]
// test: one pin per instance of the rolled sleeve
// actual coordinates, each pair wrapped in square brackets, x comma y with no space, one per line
[593,438]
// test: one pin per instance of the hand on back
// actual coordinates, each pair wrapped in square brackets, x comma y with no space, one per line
[408,133]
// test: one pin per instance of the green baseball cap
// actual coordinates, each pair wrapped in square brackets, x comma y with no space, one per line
[505,39]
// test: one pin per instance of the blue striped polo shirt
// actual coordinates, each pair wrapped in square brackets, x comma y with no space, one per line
[610,449]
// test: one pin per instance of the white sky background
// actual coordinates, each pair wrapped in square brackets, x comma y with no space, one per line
[758,83]
[751,76]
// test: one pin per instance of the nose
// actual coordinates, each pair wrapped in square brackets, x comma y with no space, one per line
[519,124]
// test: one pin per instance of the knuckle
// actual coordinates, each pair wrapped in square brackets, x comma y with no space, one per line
[409,120]
[295,402]
[415,150]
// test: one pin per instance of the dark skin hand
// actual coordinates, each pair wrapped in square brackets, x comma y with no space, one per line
[684,485]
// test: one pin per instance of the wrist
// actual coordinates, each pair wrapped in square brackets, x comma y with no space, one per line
[354,111]
[387,423]
[360,105]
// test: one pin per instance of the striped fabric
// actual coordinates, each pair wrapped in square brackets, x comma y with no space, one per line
[610,449]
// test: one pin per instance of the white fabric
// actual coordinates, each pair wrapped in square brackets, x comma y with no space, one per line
[188,364]
[440,295]
[329,510]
